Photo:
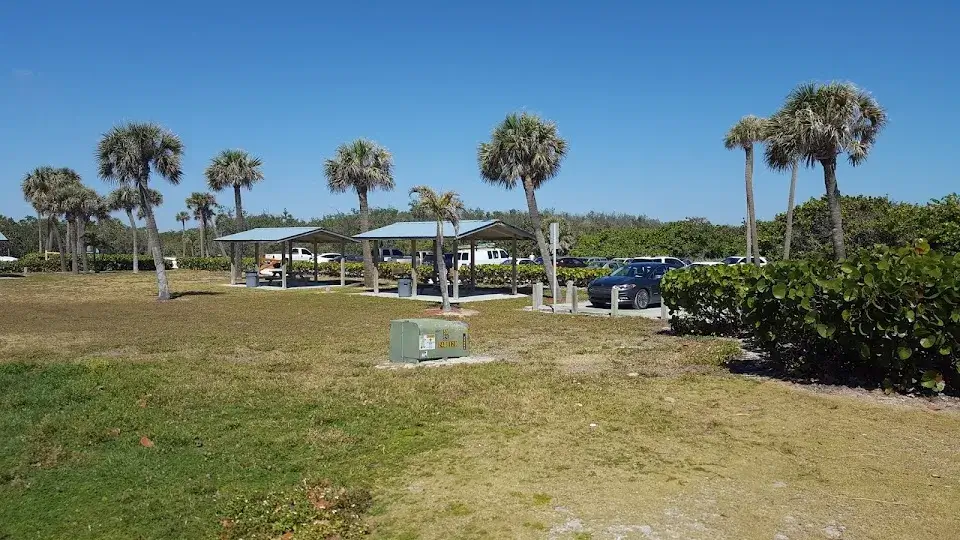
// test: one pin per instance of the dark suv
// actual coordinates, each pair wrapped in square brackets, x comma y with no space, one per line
[638,283]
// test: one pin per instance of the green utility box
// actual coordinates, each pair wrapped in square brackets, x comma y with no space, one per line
[416,340]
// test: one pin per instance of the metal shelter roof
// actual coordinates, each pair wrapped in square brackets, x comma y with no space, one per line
[2,237]
[470,229]
[287,234]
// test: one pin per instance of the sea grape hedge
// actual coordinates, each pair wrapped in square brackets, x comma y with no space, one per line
[34,262]
[884,317]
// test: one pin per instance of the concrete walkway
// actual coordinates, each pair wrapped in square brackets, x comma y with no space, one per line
[586,309]
[464,299]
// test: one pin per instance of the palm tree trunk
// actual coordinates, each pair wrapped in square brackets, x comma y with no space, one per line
[788,236]
[40,232]
[364,227]
[751,209]
[136,256]
[153,237]
[238,252]
[442,274]
[55,228]
[81,242]
[183,238]
[72,241]
[538,230]
[203,236]
[746,225]
[216,234]
[833,203]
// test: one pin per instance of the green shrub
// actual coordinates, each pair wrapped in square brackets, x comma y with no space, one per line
[883,317]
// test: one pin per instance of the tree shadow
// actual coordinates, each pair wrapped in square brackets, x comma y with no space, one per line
[174,296]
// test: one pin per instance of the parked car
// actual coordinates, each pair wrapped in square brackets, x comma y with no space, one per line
[672,262]
[706,263]
[737,259]
[4,258]
[570,262]
[299,254]
[349,258]
[509,262]
[639,285]
[609,265]
[485,255]
[390,254]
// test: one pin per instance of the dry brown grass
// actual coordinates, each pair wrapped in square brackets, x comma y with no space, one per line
[589,428]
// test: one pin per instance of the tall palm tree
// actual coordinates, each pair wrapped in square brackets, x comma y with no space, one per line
[202,205]
[41,188]
[127,154]
[236,169]
[91,206]
[443,207]
[776,125]
[156,199]
[361,166]
[183,218]
[72,198]
[127,199]
[527,150]
[817,123]
[749,130]
[37,187]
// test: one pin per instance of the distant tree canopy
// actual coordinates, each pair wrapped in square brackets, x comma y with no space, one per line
[867,221]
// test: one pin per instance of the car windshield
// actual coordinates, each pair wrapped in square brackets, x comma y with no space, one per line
[633,270]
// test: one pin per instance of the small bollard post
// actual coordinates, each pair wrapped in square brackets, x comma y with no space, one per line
[664,312]
[569,291]
[376,279]
[574,301]
[537,296]
[614,300]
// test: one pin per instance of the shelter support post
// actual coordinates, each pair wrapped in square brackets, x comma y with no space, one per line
[456,281]
[284,263]
[413,266]
[473,264]
[290,268]
[316,269]
[233,264]
[343,264]
[513,269]
[256,256]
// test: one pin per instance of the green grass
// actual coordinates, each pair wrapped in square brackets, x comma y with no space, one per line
[247,392]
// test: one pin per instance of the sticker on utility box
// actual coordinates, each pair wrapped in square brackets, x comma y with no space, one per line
[428,342]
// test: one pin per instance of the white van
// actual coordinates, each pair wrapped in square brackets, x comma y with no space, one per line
[485,255]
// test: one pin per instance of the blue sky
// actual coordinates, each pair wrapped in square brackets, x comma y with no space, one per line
[643,93]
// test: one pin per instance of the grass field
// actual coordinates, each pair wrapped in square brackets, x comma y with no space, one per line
[588,428]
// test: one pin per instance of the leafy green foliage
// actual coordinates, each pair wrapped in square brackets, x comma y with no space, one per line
[881,314]
[34,262]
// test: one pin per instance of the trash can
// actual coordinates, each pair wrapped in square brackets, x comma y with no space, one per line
[253,278]
[405,287]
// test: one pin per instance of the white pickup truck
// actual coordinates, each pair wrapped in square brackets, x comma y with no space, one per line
[303,254]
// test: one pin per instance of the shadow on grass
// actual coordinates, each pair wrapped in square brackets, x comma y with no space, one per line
[174,296]
[5,275]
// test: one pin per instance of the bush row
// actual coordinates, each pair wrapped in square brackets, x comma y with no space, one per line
[34,262]
[491,274]
[883,317]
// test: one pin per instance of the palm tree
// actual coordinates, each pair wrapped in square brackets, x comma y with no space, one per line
[361,166]
[817,123]
[202,205]
[37,186]
[443,207]
[127,154]
[183,218]
[127,198]
[749,130]
[528,150]
[91,205]
[41,189]
[776,125]
[236,169]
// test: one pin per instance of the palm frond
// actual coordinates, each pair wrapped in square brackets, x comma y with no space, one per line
[359,165]
[522,147]
[233,168]
[128,152]
[745,133]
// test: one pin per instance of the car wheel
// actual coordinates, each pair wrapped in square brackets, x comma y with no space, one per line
[642,299]
[598,304]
